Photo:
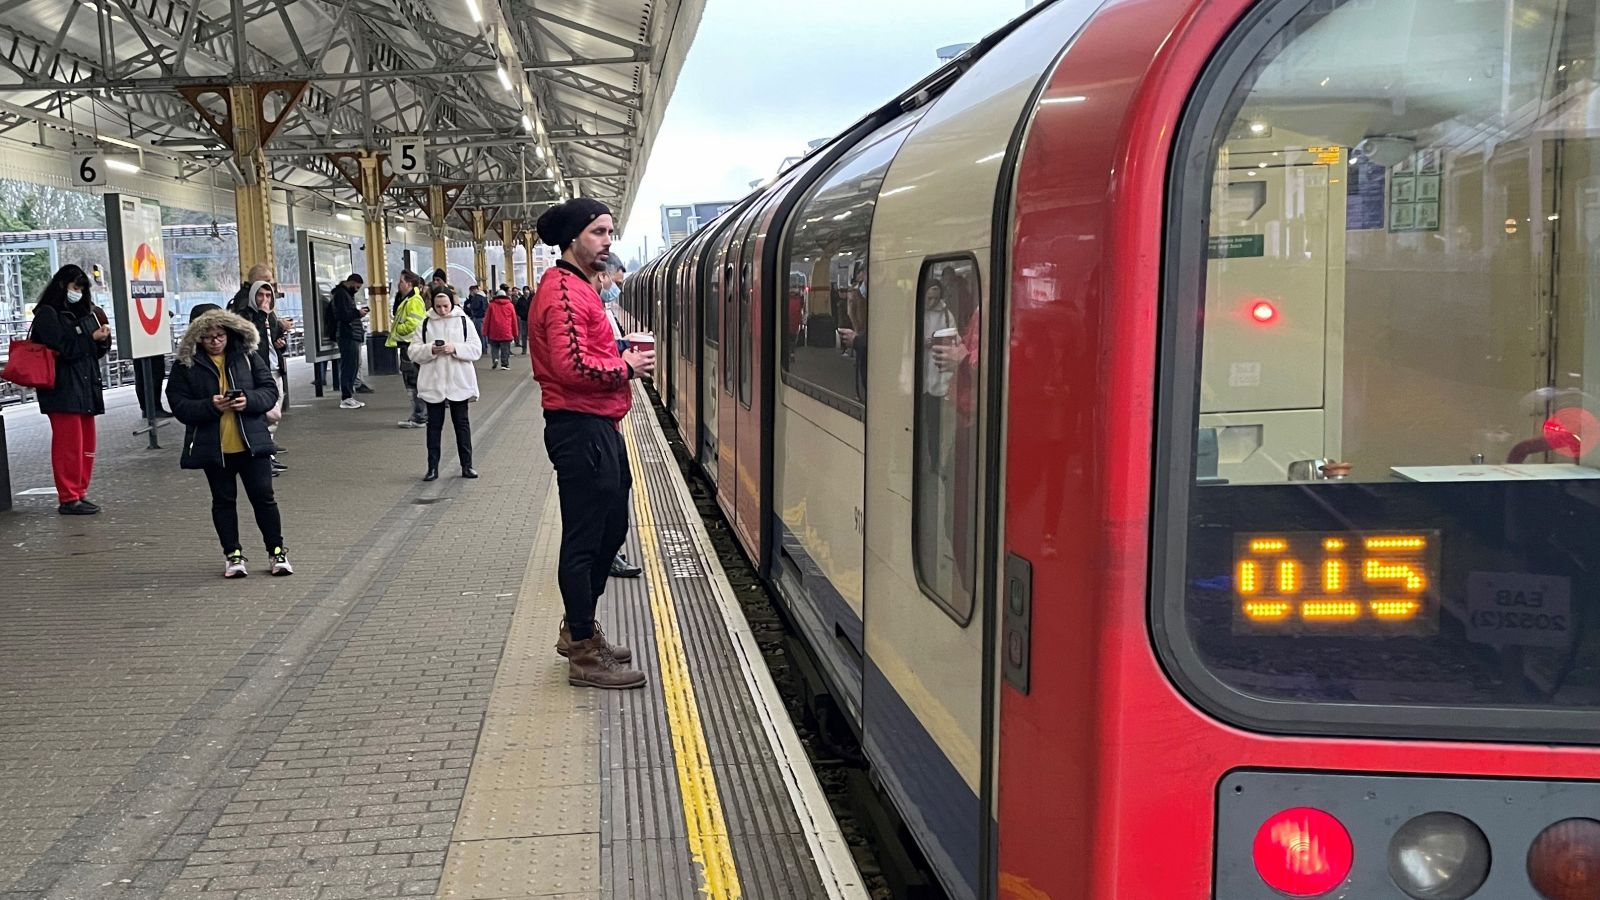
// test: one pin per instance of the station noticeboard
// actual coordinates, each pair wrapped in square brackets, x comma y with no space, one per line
[325,261]
[138,277]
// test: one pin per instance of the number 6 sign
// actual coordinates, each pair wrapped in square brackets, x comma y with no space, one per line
[88,169]
[408,156]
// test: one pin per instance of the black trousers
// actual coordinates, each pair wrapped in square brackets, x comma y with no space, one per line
[349,363]
[593,478]
[458,418]
[143,371]
[256,473]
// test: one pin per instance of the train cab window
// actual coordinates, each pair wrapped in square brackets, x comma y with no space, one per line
[1383,495]
[825,335]
[945,536]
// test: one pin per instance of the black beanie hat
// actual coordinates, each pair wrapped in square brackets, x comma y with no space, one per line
[440,275]
[561,224]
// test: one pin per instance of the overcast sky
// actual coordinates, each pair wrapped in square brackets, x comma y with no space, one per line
[766,76]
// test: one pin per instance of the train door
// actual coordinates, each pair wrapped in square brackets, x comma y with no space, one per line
[688,381]
[750,432]
[711,357]
[735,285]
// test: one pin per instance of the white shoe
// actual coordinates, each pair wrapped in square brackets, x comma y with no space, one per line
[409,424]
[235,566]
[351,403]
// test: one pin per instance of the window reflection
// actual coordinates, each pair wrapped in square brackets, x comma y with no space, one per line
[949,325]
[826,339]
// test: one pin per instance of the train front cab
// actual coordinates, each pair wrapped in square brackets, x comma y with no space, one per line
[1301,499]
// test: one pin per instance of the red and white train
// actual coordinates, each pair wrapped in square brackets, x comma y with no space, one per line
[1170,426]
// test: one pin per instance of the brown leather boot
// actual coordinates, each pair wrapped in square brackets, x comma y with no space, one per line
[564,643]
[591,664]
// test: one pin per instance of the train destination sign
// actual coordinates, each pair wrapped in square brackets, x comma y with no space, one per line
[1336,583]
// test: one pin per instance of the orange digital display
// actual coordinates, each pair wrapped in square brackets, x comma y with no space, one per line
[1336,583]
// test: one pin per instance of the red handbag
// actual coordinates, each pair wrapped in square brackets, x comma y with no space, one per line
[30,365]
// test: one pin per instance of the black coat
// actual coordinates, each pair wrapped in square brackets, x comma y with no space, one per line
[346,315]
[195,381]
[269,329]
[79,387]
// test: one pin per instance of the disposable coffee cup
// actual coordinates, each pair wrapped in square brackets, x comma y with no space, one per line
[641,341]
[944,337]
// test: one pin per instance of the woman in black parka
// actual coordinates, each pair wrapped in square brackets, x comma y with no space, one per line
[67,322]
[221,390]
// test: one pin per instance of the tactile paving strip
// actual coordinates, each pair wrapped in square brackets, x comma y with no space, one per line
[591,782]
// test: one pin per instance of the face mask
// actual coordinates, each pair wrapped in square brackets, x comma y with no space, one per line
[74,296]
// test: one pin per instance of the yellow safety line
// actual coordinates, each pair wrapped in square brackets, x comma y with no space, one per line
[697,782]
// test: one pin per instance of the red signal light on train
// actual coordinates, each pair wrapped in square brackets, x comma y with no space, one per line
[1564,860]
[1263,312]
[1571,431]
[1303,852]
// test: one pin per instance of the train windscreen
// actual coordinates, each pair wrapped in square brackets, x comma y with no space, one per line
[1393,495]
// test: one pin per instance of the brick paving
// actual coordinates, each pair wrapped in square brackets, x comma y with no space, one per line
[166,733]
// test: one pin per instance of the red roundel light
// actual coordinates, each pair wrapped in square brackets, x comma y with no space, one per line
[1564,861]
[1303,852]
[1263,311]
[1571,430]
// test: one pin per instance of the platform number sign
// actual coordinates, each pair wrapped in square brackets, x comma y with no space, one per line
[88,169]
[408,156]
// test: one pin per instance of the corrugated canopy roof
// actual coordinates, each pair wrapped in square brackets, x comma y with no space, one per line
[593,78]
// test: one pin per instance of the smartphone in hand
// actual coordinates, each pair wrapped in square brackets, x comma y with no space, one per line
[234,395]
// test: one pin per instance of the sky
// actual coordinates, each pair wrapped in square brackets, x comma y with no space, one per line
[764,77]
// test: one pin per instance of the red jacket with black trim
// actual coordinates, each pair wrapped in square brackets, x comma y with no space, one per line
[574,353]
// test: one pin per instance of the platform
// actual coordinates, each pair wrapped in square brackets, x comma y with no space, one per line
[393,720]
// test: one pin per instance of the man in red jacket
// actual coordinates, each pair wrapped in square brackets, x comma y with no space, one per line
[584,382]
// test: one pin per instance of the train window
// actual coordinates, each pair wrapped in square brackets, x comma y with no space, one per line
[745,326]
[1385,486]
[712,332]
[825,334]
[945,489]
[730,289]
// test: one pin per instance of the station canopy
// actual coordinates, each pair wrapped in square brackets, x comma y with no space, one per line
[518,102]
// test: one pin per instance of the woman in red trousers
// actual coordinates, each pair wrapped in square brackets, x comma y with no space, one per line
[67,322]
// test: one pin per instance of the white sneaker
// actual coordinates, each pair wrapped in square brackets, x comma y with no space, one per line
[235,566]
[350,403]
[280,563]
[407,423]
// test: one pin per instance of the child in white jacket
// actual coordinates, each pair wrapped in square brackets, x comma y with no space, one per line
[444,348]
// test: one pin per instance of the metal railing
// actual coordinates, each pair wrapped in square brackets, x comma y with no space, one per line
[114,371]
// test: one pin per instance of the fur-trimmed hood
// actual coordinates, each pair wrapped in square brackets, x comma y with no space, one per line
[241,332]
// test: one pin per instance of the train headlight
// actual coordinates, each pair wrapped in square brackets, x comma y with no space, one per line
[1564,860]
[1303,852]
[1439,856]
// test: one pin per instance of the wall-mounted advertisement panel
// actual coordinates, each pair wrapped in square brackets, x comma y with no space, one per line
[138,276]
[325,261]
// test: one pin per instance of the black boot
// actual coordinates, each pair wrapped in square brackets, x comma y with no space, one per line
[433,474]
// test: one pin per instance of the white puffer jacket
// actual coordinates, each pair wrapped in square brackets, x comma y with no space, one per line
[452,377]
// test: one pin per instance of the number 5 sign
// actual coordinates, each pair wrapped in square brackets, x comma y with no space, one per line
[408,156]
[88,169]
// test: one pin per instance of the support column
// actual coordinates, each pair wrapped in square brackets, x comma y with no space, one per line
[528,242]
[376,230]
[246,129]
[252,200]
[480,250]
[436,213]
[508,242]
